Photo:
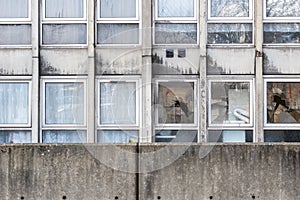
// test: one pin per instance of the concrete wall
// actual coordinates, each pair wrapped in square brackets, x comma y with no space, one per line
[200,171]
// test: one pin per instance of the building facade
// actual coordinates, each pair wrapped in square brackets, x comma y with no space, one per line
[108,71]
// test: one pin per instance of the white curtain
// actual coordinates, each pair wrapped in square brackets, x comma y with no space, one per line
[64,103]
[117,136]
[176,8]
[64,136]
[117,8]
[13,8]
[18,34]
[229,8]
[64,8]
[15,136]
[14,100]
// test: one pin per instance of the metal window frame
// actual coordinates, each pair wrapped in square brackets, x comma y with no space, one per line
[21,19]
[232,126]
[266,18]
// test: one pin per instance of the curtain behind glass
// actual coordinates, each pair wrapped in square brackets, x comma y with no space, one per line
[64,103]
[118,103]
[14,100]
[229,8]
[15,136]
[13,8]
[64,136]
[64,8]
[17,34]
[117,8]
[117,136]
[176,8]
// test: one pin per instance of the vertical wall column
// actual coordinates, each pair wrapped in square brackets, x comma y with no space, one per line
[202,72]
[91,74]
[258,111]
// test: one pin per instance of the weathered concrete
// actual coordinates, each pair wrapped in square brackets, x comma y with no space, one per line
[203,171]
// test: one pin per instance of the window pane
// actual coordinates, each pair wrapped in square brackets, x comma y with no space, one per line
[283,102]
[64,8]
[17,34]
[175,136]
[118,34]
[14,99]
[282,33]
[118,103]
[63,136]
[15,136]
[282,136]
[117,8]
[176,102]
[229,33]
[229,8]
[64,103]
[176,8]
[230,136]
[117,136]
[230,103]
[13,8]
[64,34]
[176,33]
[279,8]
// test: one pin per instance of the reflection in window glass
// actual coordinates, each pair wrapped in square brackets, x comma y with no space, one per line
[282,136]
[229,8]
[230,136]
[118,8]
[64,34]
[64,136]
[176,33]
[229,33]
[176,8]
[177,101]
[281,33]
[15,34]
[118,34]
[117,136]
[64,8]
[15,136]
[283,102]
[118,103]
[175,136]
[13,8]
[279,8]
[64,103]
[230,103]
[14,100]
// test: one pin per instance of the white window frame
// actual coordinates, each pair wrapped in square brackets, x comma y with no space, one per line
[231,126]
[44,81]
[27,80]
[21,19]
[278,126]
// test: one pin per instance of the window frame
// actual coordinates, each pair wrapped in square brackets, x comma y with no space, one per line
[20,19]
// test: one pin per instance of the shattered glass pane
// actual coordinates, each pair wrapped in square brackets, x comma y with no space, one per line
[176,8]
[282,33]
[280,8]
[229,8]
[229,33]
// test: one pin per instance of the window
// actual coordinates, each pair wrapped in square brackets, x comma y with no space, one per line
[64,110]
[176,110]
[175,22]
[15,22]
[118,109]
[118,22]
[230,136]
[282,136]
[64,22]
[281,22]
[230,22]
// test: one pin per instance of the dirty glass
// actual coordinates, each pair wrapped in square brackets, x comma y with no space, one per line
[229,103]
[281,136]
[15,34]
[118,8]
[14,9]
[14,103]
[283,102]
[64,8]
[279,8]
[64,103]
[118,103]
[282,33]
[118,34]
[175,33]
[230,136]
[64,136]
[229,8]
[64,34]
[15,136]
[176,102]
[176,136]
[229,33]
[176,8]
[117,136]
